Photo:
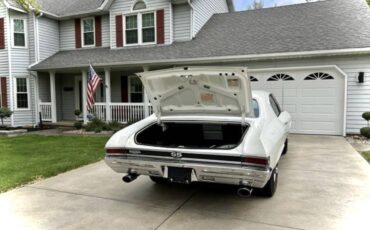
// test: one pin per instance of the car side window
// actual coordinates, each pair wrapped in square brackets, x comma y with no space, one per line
[275,106]
[256,108]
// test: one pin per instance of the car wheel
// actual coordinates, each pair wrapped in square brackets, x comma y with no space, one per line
[270,187]
[285,150]
[159,180]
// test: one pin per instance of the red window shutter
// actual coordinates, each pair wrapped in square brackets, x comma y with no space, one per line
[2,34]
[78,32]
[160,26]
[4,92]
[119,31]
[98,32]
[124,89]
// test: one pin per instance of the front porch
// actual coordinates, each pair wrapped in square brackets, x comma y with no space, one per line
[120,98]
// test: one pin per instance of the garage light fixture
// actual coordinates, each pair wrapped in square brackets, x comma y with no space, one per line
[361,77]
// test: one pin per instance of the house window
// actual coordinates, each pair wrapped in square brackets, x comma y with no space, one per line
[140,29]
[136,90]
[88,31]
[131,29]
[139,5]
[148,30]
[19,33]
[22,94]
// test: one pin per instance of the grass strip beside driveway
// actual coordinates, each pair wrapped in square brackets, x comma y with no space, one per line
[366,155]
[27,158]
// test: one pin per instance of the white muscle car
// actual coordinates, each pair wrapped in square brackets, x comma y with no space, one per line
[207,126]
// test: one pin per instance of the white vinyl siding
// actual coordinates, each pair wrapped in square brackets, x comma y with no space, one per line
[105,31]
[125,8]
[48,31]
[181,22]
[204,9]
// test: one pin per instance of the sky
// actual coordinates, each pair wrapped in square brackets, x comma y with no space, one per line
[243,4]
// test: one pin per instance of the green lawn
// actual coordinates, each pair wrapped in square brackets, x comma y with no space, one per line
[27,158]
[366,155]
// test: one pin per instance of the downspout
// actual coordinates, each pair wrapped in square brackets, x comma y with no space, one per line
[11,88]
[191,19]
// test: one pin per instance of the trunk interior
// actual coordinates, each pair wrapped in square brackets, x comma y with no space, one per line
[192,135]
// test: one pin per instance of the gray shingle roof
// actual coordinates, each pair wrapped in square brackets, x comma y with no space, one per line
[65,7]
[327,25]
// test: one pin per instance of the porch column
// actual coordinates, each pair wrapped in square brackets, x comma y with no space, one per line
[53,97]
[107,95]
[146,100]
[84,95]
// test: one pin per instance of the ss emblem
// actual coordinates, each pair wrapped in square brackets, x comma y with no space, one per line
[176,155]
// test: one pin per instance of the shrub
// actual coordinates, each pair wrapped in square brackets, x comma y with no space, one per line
[95,125]
[4,113]
[365,132]
[78,125]
[366,116]
[115,126]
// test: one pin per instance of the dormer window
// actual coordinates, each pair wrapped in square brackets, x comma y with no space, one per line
[88,32]
[140,29]
[139,5]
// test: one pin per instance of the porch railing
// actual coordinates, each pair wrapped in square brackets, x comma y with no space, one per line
[122,112]
[45,109]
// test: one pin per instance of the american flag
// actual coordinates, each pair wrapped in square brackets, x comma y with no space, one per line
[93,82]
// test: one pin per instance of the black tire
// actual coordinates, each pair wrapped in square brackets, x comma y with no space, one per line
[159,180]
[271,186]
[285,150]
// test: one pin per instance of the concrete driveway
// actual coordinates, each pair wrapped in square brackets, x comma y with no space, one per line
[324,184]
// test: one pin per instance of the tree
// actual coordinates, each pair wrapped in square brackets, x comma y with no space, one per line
[29,5]
[256,4]
[4,113]
[368,2]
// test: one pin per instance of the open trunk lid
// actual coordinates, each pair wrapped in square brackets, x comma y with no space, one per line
[211,91]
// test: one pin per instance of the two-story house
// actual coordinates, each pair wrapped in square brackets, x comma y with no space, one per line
[314,57]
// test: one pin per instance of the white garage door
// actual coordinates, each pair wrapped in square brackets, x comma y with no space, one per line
[314,97]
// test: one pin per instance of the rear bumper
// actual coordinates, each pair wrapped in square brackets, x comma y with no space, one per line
[203,172]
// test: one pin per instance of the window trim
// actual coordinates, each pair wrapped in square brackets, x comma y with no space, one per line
[25,33]
[139,16]
[129,89]
[83,32]
[28,94]
[134,4]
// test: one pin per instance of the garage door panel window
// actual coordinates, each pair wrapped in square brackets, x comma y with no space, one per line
[319,75]
[281,76]
[253,79]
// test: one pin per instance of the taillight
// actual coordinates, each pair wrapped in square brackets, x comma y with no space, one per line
[116,151]
[262,161]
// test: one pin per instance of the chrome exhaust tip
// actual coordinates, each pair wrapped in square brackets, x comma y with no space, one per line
[130,177]
[244,192]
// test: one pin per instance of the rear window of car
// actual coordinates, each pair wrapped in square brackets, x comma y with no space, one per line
[256,108]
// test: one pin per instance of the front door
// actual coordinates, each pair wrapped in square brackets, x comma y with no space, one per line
[68,98]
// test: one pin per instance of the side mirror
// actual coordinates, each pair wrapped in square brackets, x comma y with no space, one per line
[285,118]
